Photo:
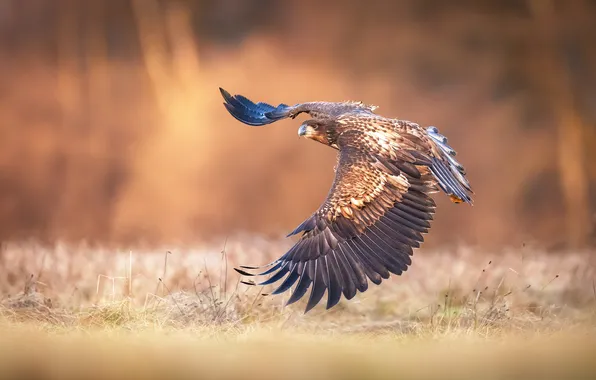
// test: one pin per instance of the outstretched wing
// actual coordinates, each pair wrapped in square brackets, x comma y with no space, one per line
[257,114]
[373,217]
[251,113]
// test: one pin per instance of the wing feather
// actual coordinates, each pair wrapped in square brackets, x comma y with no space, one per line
[261,113]
[365,230]
[378,208]
[335,281]
[318,287]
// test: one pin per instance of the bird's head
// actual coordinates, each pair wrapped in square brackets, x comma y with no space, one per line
[321,131]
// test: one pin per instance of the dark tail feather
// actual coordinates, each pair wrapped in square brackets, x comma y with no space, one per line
[248,112]
[450,174]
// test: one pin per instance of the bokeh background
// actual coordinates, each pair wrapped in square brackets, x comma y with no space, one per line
[112,128]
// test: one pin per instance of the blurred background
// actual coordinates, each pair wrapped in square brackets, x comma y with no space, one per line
[112,128]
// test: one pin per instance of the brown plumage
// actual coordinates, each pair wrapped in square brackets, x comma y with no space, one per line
[379,204]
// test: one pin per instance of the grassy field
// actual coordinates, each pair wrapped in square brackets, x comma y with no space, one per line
[73,310]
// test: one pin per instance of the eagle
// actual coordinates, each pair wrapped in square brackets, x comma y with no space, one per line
[379,205]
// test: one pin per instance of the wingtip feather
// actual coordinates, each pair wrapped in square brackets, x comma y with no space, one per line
[249,112]
[244,273]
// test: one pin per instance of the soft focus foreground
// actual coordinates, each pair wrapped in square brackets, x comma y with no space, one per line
[184,313]
[271,354]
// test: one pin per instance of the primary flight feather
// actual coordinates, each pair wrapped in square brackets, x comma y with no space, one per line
[379,204]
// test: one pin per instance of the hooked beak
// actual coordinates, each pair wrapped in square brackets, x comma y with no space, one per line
[302,130]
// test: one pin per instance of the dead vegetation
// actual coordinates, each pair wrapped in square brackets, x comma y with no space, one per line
[443,291]
[186,310]
[271,354]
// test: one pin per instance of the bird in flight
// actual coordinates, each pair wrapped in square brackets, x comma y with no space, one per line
[379,205]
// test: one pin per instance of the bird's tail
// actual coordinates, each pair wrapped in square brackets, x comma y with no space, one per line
[450,174]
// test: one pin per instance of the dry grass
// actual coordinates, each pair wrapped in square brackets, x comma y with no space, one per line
[186,311]
[274,354]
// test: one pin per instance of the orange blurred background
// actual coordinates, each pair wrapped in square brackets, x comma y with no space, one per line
[112,128]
